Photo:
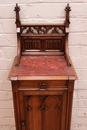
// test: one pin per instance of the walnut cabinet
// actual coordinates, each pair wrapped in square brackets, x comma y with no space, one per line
[42,76]
[43,104]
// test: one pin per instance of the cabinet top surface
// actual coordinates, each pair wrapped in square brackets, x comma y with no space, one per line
[42,66]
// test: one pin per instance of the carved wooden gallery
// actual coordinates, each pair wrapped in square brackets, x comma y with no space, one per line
[42,76]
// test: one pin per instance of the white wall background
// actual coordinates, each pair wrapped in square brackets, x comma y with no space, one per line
[44,11]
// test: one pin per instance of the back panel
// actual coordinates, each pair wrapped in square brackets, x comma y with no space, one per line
[44,38]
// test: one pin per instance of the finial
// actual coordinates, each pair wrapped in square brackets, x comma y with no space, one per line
[17,8]
[68,8]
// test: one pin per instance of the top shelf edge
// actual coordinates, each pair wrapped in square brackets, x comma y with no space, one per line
[60,25]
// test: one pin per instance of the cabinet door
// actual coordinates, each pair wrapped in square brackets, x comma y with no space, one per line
[43,110]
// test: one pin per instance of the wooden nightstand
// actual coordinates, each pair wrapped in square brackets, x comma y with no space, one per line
[42,76]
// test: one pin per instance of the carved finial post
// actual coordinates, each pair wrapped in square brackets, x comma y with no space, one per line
[67,21]
[17,9]
[18,24]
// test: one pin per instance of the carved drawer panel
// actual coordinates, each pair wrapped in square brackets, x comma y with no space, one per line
[42,84]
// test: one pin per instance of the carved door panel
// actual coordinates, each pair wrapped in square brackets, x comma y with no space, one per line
[43,111]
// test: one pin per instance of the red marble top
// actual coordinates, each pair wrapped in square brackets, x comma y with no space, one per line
[42,66]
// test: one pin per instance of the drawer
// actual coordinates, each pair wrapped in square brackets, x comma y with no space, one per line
[43,84]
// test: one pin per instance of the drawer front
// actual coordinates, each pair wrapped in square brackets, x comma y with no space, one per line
[43,84]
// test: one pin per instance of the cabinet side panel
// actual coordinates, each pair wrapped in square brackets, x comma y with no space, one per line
[16,104]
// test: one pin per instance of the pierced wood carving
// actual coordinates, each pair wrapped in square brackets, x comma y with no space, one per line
[34,30]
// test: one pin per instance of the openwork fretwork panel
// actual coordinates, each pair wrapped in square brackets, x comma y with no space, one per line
[38,30]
